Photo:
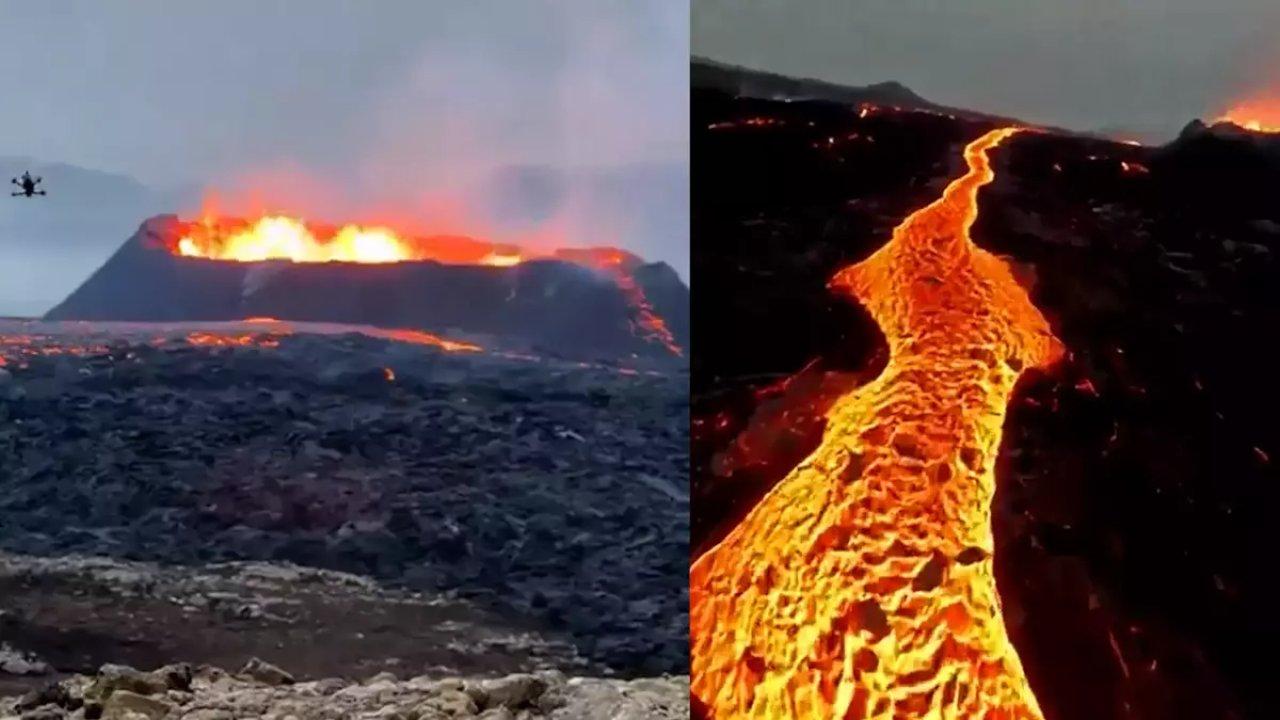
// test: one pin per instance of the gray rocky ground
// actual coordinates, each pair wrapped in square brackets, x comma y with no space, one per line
[262,690]
[336,504]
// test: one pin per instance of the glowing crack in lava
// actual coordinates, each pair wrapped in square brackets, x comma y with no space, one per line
[861,586]
[1260,114]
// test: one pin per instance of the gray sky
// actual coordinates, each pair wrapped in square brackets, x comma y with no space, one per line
[332,106]
[1151,65]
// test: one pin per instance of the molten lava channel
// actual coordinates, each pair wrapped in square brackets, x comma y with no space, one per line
[278,237]
[862,585]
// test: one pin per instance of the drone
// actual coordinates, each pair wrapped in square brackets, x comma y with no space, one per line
[27,186]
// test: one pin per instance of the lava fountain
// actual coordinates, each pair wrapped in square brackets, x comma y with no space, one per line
[862,585]
[278,237]
[1260,114]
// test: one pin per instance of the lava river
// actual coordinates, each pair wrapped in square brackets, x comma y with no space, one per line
[862,585]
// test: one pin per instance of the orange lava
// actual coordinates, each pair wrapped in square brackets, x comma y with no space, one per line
[278,237]
[215,339]
[862,585]
[502,259]
[1261,114]
[20,349]
[417,337]
[272,339]
[647,323]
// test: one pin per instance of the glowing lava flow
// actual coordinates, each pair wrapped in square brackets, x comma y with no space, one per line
[862,586]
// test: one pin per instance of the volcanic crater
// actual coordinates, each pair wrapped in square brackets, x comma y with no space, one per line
[580,303]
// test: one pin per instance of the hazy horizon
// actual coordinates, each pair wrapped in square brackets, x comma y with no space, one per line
[1148,66]
[341,111]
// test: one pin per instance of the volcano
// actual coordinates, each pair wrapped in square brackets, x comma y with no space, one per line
[587,303]
[1135,487]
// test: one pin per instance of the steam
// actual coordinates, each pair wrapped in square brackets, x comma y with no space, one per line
[577,137]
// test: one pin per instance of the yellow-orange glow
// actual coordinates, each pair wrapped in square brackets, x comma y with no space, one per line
[215,339]
[1134,168]
[647,323]
[283,238]
[373,245]
[418,337]
[1261,114]
[501,259]
[862,585]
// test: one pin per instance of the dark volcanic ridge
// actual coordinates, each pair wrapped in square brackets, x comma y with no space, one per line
[546,306]
[1225,132]
[747,83]
[708,74]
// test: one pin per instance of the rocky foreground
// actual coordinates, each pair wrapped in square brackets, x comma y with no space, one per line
[337,504]
[262,690]
[69,615]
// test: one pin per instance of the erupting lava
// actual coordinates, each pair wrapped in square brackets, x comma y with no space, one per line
[862,585]
[1259,115]
[284,238]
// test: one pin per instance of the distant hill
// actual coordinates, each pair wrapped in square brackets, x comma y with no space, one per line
[711,74]
[49,244]
[708,74]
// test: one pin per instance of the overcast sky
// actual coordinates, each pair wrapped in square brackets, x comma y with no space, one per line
[393,103]
[1084,64]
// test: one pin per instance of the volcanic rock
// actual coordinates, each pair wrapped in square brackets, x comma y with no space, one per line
[215,695]
[576,310]
[126,705]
